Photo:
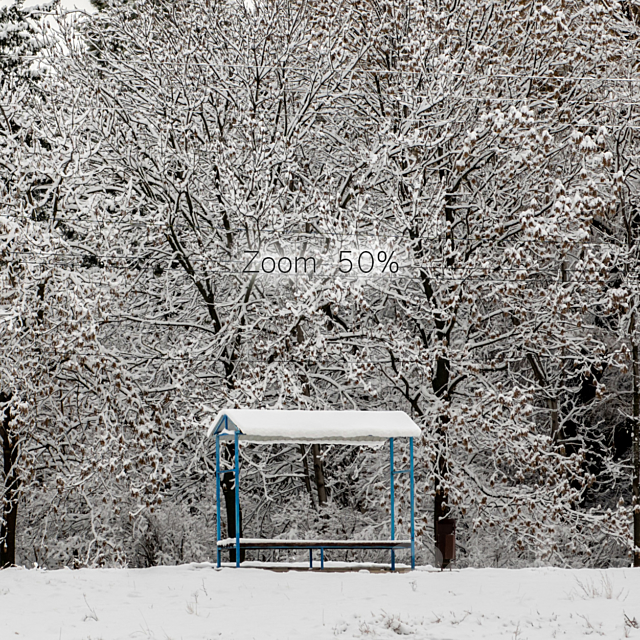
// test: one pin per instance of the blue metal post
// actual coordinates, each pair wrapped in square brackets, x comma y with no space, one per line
[310,558]
[237,488]
[322,557]
[412,499]
[217,499]
[393,514]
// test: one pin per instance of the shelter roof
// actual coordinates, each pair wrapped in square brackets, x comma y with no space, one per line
[348,427]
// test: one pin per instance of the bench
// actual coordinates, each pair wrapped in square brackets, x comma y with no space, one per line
[229,544]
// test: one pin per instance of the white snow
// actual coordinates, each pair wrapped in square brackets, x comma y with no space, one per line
[196,602]
[354,427]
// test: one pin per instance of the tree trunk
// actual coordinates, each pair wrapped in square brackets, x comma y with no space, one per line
[307,480]
[318,469]
[441,381]
[440,508]
[440,386]
[10,490]
[228,486]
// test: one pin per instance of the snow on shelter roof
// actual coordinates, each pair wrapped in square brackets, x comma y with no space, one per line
[352,427]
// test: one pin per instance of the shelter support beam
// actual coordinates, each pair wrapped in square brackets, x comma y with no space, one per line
[237,497]
[218,537]
[393,472]
[392,497]
[413,510]
[235,471]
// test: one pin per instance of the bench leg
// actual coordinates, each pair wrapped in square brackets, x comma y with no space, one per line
[393,560]
[310,558]
[321,558]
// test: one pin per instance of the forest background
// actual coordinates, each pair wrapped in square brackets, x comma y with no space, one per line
[148,150]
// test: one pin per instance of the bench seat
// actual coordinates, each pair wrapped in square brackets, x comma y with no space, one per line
[276,543]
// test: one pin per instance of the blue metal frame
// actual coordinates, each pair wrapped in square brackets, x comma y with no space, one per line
[236,471]
[317,546]
[392,490]
[392,473]
[237,492]
[218,499]
[413,510]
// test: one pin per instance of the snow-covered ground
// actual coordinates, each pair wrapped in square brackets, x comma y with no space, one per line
[199,602]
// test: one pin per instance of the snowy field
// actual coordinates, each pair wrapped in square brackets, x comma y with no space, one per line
[199,602]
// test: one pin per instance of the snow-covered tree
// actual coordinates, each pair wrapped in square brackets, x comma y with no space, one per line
[228,155]
[78,441]
[489,175]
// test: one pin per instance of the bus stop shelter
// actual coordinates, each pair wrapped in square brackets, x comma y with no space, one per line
[265,426]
